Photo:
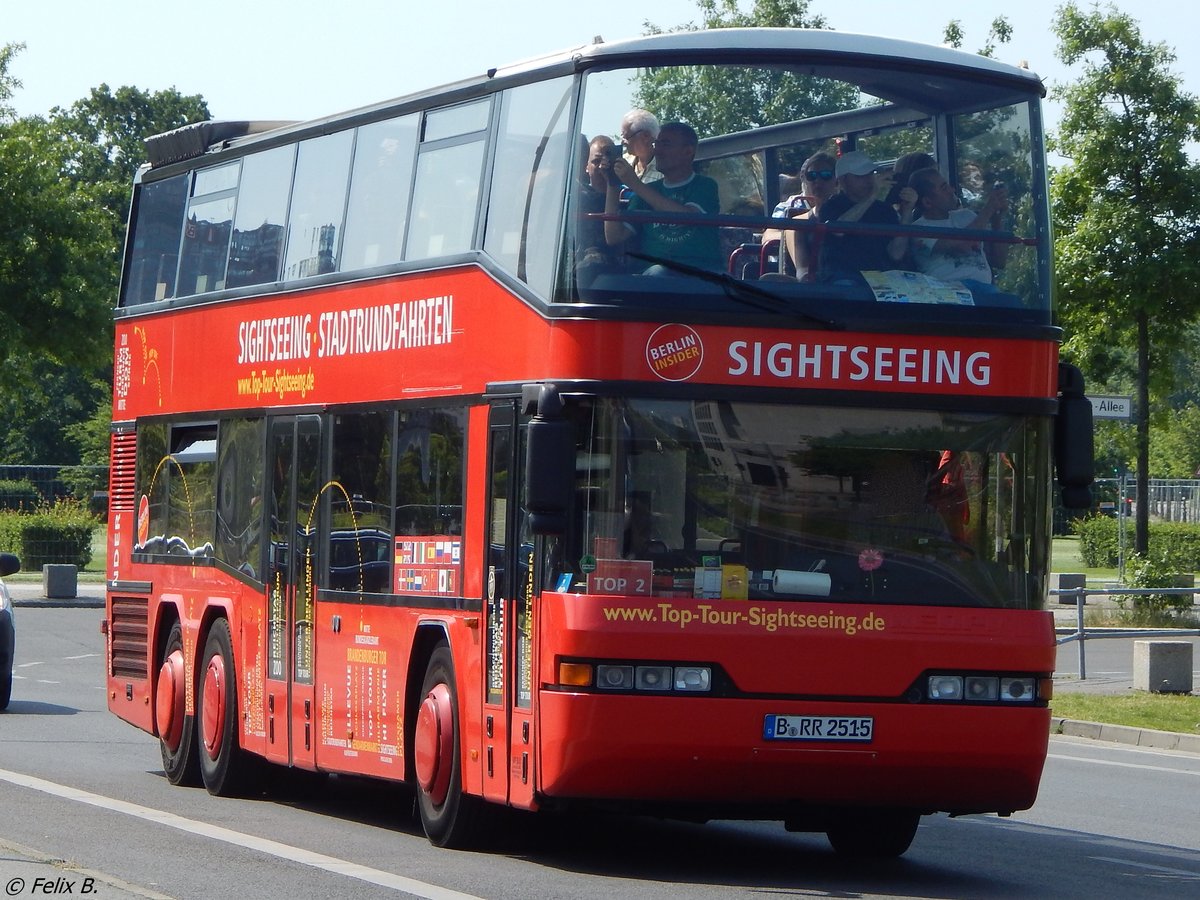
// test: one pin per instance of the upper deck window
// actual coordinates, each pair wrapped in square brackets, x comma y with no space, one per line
[154,253]
[449,171]
[256,251]
[529,181]
[318,205]
[380,186]
[207,229]
[757,125]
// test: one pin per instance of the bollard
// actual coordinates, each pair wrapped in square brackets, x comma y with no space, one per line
[1068,582]
[60,581]
[1162,667]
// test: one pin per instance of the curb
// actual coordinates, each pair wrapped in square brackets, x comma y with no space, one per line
[1125,734]
[63,603]
[42,602]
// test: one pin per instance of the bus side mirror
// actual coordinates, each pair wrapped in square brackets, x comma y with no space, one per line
[1074,451]
[549,460]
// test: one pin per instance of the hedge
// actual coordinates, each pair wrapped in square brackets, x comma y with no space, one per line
[61,533]
[19,494]
[1172,544]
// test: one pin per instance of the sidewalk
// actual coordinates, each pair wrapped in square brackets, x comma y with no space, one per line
[88,595]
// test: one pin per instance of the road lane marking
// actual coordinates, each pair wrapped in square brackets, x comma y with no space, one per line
[238,839]
[1164,870]
[1195,773]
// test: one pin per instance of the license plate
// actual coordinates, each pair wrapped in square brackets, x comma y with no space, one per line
[819,728]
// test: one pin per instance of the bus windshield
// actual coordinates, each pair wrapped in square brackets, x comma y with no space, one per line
[736,500]
[753,199]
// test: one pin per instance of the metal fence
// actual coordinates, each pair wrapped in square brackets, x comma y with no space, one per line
[1081,635]
[37,529]
[27,487]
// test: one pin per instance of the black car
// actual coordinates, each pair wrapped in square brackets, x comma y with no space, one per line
[8,641]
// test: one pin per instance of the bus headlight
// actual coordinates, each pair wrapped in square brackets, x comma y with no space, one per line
[1017,689]
[962,687]
[981,687]
[653,678]
[693,678]
[650,677]
[945,687]
[614,678]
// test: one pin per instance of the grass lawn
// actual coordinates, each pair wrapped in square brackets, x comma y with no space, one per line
[1161,712]
[1064,557]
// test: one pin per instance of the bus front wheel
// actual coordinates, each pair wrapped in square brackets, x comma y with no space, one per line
[875,834]
[223,763]
[176,729]
[449,817]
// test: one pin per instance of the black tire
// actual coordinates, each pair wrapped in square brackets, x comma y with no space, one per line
[5,685]
[8,638]
[181,764]
[454,820]
[874,834]
[224,765]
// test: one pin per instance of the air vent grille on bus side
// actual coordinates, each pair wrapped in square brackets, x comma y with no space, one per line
[129,633]
[122,480]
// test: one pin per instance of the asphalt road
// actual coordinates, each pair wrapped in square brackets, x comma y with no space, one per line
[82,796]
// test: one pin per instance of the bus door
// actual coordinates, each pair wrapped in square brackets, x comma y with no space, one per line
[509,667]
[294,458]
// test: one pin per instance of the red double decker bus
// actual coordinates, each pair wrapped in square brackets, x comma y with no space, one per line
[404,486]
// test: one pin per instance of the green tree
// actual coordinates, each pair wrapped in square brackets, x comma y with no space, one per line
[1126,209]
[717,100]
[8,84]
[107,130]
[65,184]
[57,252]
[1000,32]
[1175,442]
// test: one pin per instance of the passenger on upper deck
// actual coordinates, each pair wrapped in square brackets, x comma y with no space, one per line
[844,255]
[639,131]
[902,170]
[817,179]
[956,260]
[593,256]
[680,190]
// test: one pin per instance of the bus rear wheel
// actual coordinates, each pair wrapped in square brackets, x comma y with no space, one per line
[224,765]
[176,729]
[449,817]
[874,834]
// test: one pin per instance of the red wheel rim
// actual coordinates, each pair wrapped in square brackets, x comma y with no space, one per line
[433,755]
[213,714]
[168,701]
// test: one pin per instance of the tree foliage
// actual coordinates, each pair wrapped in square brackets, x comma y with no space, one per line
[65,183]
[1000,32]
[108,129]
[1127,210]
[57,251]
[721,100]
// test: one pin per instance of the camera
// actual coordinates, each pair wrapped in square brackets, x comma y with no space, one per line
[615,152]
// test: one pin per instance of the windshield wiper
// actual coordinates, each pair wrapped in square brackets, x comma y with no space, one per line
[745,292]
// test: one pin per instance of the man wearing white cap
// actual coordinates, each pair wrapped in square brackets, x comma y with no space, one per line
[844,255]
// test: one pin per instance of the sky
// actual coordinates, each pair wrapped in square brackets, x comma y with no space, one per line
[300,59]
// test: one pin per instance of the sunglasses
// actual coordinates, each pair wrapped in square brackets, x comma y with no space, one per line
[822,174]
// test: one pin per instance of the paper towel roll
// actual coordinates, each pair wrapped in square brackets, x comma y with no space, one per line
[811,584]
